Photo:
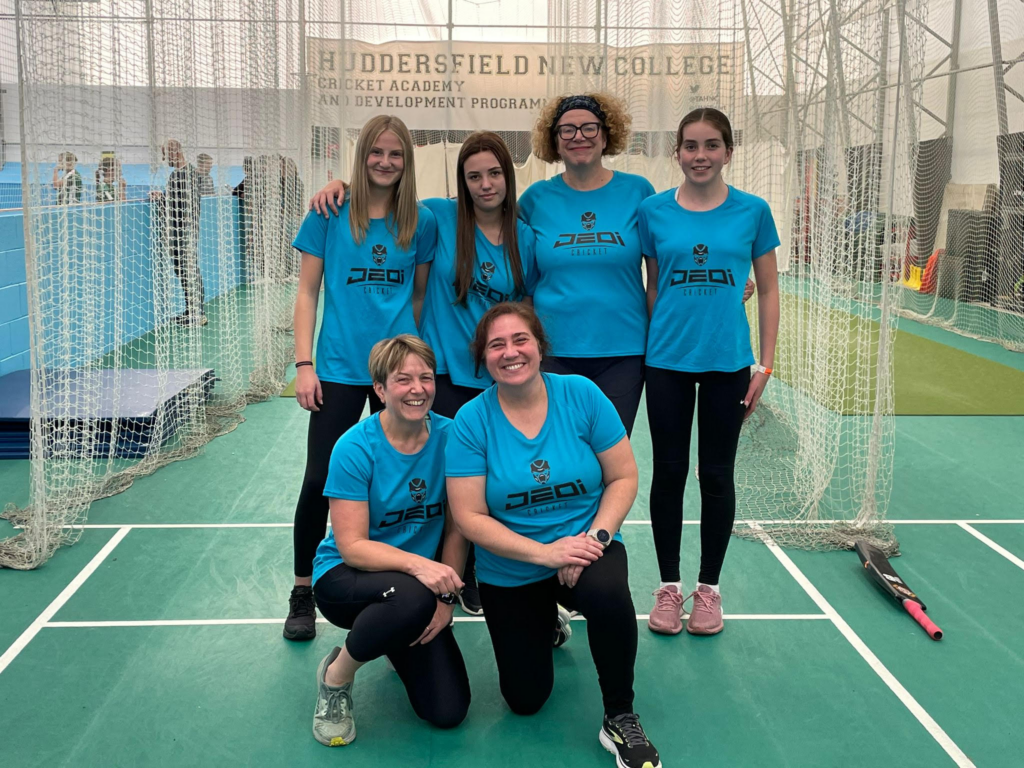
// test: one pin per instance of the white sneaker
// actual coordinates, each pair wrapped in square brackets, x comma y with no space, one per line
[563,629]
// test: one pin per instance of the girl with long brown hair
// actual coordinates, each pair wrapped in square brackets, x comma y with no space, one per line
[484,256]
[699,241]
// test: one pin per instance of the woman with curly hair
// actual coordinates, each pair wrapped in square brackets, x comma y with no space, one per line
[590,295]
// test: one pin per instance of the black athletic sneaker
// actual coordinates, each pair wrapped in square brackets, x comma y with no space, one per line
[301,621]
[187,320]
[624,737]
[469,597]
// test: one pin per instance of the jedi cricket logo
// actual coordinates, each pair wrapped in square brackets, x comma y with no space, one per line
[418,489]
[588,220]
[380,255]
[700,254]
[487,271]
[535,500]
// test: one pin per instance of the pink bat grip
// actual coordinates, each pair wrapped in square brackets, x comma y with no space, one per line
[915,610]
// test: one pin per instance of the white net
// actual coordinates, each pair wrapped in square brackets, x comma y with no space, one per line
[159,290]
[815,96]
[821,96]
[965,265]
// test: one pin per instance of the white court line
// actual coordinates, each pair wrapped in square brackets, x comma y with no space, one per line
[51,610]
[866,653]
[183,525]
[321,620]
[988,542]
[104,526]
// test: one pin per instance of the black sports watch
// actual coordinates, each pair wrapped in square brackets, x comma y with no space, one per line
[448,598]
[601,536]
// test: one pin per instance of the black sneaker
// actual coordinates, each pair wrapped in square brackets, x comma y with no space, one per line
[624,737]
[469,597]
[301,621]
[188,320]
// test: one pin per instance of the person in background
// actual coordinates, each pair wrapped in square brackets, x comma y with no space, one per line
[111,186]
[66,180]
[293,205]
[179,217]
[243,191]
[204,164]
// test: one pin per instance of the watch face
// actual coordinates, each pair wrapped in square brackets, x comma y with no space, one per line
[603,536]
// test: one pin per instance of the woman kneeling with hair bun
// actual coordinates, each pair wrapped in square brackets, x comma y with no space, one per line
[540,477]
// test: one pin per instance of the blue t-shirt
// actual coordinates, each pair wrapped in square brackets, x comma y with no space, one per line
[698,322]
[546,488]
[448,327]
[590,295]
[367,288]
[406,493]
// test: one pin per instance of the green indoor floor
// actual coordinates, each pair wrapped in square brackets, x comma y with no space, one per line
[169,652]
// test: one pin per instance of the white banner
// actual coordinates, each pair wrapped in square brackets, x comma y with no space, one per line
[502,86]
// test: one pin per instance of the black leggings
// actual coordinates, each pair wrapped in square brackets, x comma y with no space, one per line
[448,399]
[185,260]
[385,612]
[620,378]
[341,408]
[670,401]
[521,621]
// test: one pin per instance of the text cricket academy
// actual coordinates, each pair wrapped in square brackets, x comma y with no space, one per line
[470,78]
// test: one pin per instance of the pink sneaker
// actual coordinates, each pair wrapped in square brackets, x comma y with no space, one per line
[666,615]
[706,614]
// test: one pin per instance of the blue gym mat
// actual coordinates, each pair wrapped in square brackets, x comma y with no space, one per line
[124,418]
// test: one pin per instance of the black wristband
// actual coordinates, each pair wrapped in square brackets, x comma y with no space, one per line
[303,362]
[448,598]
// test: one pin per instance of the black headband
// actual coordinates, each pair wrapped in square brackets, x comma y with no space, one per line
[578,102]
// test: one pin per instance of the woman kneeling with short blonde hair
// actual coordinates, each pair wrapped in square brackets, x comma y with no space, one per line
[376,574]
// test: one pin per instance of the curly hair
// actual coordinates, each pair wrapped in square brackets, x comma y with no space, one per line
[616,126]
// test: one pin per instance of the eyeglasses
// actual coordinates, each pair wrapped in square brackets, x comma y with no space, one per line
[567,132]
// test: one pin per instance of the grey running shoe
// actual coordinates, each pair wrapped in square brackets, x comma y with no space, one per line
[333,724]
[301,621]
[563,629]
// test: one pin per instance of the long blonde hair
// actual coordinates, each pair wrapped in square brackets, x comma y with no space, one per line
[402,205]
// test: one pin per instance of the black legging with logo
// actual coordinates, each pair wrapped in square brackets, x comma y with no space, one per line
[340,410]
[671,396]
[521,621]
[385,612]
